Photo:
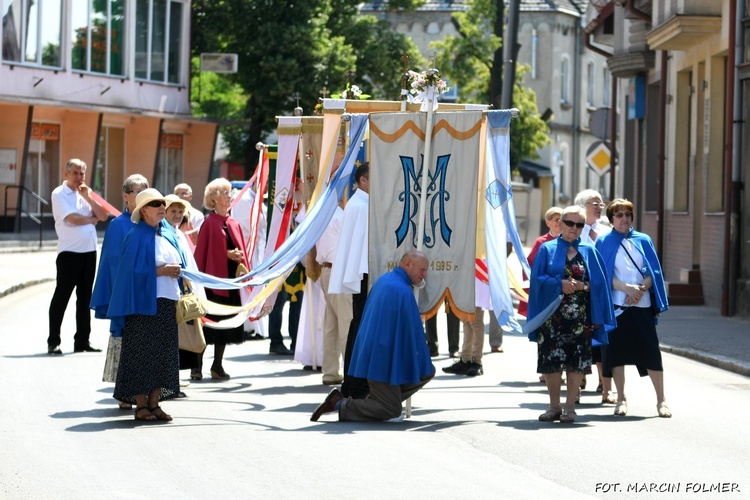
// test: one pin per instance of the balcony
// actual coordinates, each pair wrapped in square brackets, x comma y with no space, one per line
[683,32]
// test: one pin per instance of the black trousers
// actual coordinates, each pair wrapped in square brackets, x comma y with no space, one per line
[355,387]
[276,318]
[452,322]
[74,270]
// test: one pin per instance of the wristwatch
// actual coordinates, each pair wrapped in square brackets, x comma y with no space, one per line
[585,287]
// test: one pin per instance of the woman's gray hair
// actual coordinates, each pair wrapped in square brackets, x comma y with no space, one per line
[134,181]
[586,195]
[574,209]
[212,189]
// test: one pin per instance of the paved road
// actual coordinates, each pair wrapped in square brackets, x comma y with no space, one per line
[63,437]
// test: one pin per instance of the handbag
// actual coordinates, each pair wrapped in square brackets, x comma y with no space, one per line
[654,305]
[189,306]
[190,335]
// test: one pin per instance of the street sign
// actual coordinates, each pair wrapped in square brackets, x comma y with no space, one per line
[598,158]
[219,63]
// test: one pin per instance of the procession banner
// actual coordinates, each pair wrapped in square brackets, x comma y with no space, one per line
[283,260]
[283,185]
[500,218]
[397,143]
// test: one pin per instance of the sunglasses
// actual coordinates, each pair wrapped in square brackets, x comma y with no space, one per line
[623,214]
[570,223]
[156,203]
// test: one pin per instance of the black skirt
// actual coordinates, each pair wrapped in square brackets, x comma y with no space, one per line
[633,342]
[149,359]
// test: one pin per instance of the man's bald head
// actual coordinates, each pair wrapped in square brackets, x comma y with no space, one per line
[415,263]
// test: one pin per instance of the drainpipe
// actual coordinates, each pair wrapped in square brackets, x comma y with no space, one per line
[613,139]
[732,181]
[661,156]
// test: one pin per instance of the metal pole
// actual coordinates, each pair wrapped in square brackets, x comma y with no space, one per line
[424,183]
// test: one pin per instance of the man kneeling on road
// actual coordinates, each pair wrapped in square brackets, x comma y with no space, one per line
[390,350]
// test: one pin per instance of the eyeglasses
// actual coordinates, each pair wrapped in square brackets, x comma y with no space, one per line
[156,204]
[570,223]
[624,214]
[595,204]
[134,191]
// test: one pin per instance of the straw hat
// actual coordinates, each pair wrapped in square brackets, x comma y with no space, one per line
[173,198]
[144,197]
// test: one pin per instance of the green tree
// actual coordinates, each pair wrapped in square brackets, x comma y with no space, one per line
[291,48]
[473,62]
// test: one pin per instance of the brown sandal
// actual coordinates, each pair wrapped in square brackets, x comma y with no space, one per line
[124,406]
[138,414]
[568,417]
[551,415]
[160,414]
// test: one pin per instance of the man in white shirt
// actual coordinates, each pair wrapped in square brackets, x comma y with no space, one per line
[76,215]
[338,315]
[349,272]
[196,217]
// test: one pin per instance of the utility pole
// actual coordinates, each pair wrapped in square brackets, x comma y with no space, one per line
[510,52]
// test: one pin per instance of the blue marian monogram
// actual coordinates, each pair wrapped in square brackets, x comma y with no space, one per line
[437,196]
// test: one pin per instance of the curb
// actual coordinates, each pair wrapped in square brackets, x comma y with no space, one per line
[25,284]
[722,362]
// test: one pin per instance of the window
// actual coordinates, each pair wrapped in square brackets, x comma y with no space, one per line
[32,31]
[158,36]
[98,36]
[607,95]
[564,81]
[169,168]
[106,178]
[590,84]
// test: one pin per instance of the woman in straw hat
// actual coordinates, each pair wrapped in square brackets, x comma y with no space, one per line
[143,303]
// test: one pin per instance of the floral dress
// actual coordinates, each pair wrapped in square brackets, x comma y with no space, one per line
[565,338]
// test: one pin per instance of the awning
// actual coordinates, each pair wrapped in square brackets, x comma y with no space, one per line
[534,170]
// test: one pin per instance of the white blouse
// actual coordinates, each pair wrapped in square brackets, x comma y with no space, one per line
[628,272]
[166,286]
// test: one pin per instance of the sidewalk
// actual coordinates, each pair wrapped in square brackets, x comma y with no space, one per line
[695,332]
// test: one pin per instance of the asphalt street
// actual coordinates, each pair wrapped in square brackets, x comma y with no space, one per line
[62,435]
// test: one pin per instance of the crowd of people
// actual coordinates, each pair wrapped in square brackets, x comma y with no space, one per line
[594,295]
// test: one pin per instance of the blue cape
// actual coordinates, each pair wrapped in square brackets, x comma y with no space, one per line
[134,290]
[608,245]
[546,285]
[108,261]
[391,346]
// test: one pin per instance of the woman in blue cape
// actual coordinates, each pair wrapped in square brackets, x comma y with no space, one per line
[109,261]
[569,305]
[639,295]
[143,303]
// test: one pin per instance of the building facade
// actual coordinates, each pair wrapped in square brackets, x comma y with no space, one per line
[682,68]
[104,81]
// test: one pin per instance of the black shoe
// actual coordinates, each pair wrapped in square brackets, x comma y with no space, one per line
[457,368]
[87,348]
[280,349]
[327,406]
[474,370]
[54,349]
